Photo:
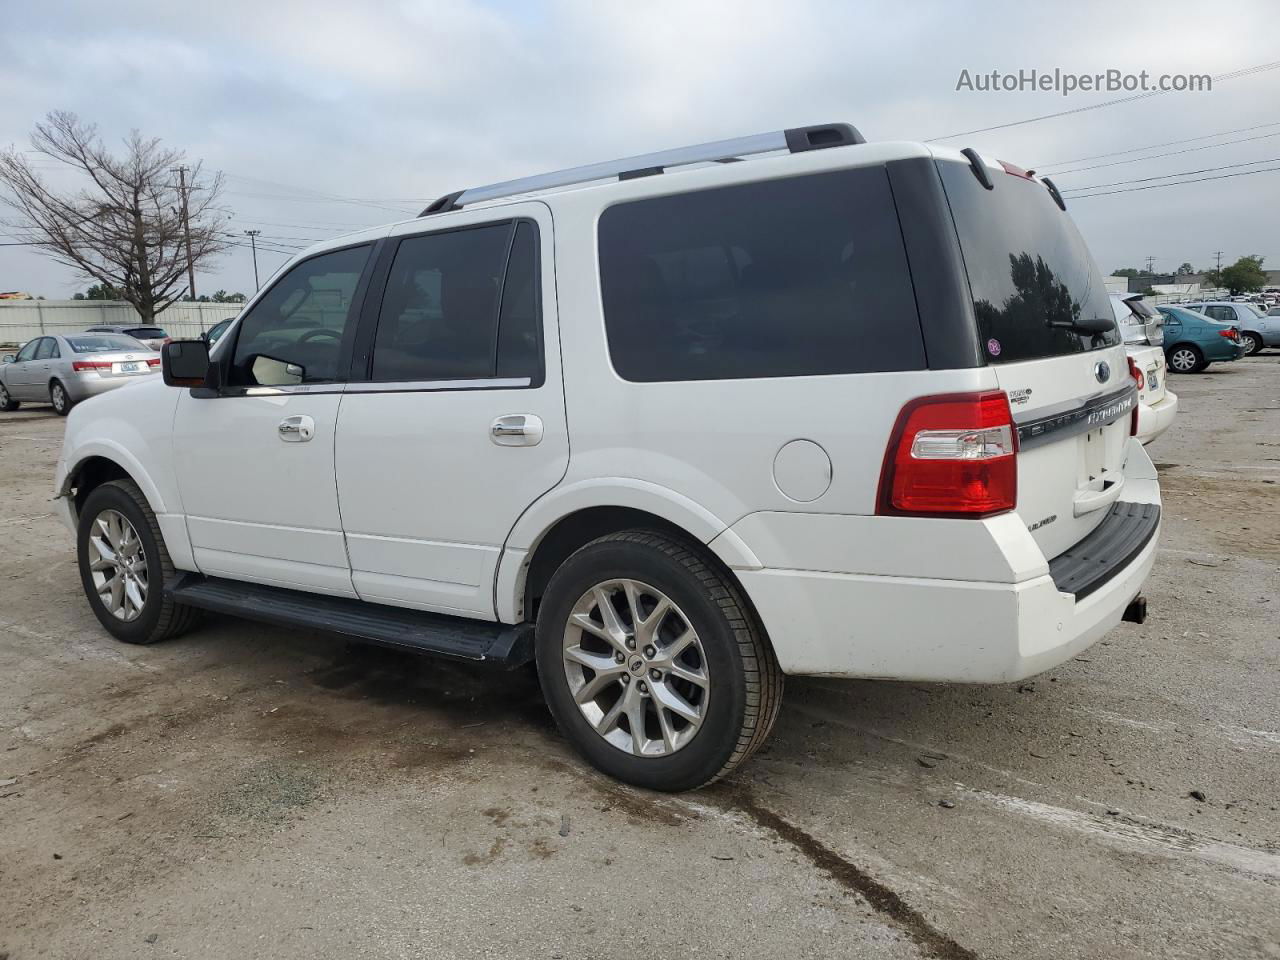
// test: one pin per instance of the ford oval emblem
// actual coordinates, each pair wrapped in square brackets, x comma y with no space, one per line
[1102,371]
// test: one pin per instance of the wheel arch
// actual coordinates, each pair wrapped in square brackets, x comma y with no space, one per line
[552,529]
[96,466]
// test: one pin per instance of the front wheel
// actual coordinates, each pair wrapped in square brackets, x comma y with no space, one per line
[1186,359]
[7,403]
[61,400]
[1255,343]
[652,663]
[124,566]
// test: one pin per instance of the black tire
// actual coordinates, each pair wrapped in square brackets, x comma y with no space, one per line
[60,398]
[746,683]
[1189,356]
[160,617]
[7,403]
[1255,343]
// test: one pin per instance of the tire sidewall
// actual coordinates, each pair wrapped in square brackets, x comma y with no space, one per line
[1255,344]
[111,497]
[6,399]
[704,756]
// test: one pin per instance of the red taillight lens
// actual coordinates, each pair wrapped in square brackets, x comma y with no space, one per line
[1229,334]
[90,365]
[153,362]
[1141,381]
[952,455]
[1137,375]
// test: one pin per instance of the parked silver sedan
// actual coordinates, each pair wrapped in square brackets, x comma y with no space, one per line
[64,370]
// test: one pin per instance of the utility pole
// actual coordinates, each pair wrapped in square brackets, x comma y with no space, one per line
[253,242]
[1150,264]
[1218,254]
[186,230]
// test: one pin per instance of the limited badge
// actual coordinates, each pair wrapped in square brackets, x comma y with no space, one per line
[993,347]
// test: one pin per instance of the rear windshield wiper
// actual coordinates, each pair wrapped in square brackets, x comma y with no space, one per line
[1085,324]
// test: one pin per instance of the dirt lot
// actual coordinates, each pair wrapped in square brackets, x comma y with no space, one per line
[248,791]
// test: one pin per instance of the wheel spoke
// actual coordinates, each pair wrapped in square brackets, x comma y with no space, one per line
[635,719]
[102,563]
[618,631]
[609,721]
[666,698]
[599,662]
[647,629]
[117,592]
[134,594]
[679,645]
[698,676]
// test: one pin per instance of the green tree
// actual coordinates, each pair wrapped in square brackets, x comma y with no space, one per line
[1127,272]
[100,291]
[1245,275]
[221,296]
[1185,269]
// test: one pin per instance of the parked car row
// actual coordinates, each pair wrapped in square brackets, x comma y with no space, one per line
[64,369]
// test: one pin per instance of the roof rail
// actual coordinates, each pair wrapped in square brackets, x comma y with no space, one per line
[796,140]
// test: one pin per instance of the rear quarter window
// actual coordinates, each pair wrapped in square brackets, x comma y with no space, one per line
[794,277]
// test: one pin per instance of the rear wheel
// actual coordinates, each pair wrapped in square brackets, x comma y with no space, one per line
[1186,359]
[1255,342]
[7,402]
[652,664]
[124,566]
[61,400]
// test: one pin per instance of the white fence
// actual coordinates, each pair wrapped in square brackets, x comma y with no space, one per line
[20,320]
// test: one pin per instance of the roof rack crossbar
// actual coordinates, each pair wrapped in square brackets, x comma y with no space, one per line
[795,140]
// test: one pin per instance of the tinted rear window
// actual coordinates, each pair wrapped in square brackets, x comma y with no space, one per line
[146,333]
[103,343]
[782,278]
[1030,272]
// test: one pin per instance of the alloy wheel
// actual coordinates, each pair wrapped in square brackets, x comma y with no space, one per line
[636,668]
[58,397]
[118,565]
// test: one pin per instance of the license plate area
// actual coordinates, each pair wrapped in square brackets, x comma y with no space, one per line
[1093,473]
[129,366]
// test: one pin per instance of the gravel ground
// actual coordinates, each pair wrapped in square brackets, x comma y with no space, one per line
[250,791]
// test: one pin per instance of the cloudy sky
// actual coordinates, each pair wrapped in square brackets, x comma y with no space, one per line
[329,116]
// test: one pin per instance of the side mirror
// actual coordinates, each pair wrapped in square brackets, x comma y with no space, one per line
[8,358]
[185,363]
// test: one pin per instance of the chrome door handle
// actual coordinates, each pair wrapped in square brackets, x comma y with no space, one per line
[296,429]
[516,430]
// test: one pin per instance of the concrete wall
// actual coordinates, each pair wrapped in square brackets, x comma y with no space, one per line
[20,320]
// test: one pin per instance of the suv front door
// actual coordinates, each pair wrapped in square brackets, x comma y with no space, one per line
[255,462]
[458,422]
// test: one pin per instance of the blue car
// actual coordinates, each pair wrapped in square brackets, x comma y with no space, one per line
[1192,341]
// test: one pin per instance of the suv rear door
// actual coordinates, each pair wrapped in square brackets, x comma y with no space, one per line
[1031,277]
[454,420]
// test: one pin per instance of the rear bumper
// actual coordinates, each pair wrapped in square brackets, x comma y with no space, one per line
[947,629]
[1156,418]
[81,388]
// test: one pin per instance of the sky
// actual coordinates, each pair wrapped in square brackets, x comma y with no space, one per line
[326,117]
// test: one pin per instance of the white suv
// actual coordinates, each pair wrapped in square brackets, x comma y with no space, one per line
[672,427]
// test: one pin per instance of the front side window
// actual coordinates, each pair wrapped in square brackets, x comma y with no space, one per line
[28,352]
[461,305]
[802,276]
[295,332]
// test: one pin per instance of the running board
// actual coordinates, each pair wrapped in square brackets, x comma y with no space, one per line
[502,644]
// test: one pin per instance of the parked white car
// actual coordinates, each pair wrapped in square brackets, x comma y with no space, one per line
[1144,336]
[671,428]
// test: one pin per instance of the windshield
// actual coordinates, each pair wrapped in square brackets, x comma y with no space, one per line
[1031,275]
[147,333]
[103,343]
[1253,307]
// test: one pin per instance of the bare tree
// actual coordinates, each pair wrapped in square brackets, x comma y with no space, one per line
[123,226]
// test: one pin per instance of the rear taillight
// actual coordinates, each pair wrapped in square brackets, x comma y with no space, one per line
[153,362]
[1229,334]
[951,455]
[90,365]
[1137,375]
[1141,381]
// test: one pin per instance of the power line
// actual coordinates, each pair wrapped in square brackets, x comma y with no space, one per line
[1166,176]
[1179,183]
[1244,72]
[1153,146]
[1171,153]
